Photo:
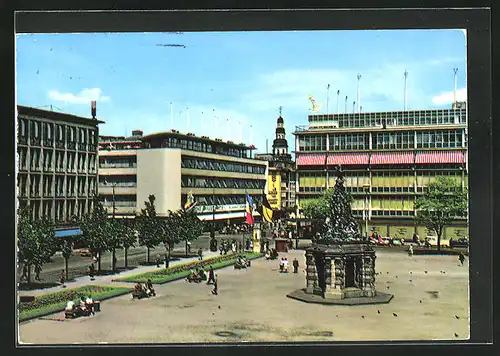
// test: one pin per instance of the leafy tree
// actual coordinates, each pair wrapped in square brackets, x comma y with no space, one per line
[150,227]
[36,240]
[441,203]
[95,230]
[173,232]
[191,227]
[333,216]
[128,239]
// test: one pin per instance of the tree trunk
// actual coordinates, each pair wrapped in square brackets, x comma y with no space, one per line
[126,252]
[186,248]
[439,241]
[113,264]
[29,274]
[167,260]
[99,261]
[148,256]
[66,267]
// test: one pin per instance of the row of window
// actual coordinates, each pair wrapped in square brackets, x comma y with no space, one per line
[118,181]
[60,161]
[194,145]
[58,186]
[59,210]
[215,165]
[199,182]
[380,180]
[118,162]
[382,140]
[401,118]
[219,200]
[60,132]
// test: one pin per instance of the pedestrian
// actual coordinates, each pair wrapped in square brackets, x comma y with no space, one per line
[114,262]
[415,238]
[91,271]
[200,254]
[461,258]
[189,246]
[250,245]
[211,275]
[38,269]
[158,260]
[25,272]
[410,251]
[215,290]
[450,243]
[62,278]
[295,264]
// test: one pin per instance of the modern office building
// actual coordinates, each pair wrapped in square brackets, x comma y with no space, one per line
[281,175]
[57,163]
[174,167]
[388,159]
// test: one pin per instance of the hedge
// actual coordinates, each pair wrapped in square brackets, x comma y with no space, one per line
[179,271]
[51,303]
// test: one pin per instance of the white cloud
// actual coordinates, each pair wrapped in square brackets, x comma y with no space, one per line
[83,97]
[447,97]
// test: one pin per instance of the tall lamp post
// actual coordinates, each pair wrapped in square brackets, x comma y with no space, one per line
[366,188]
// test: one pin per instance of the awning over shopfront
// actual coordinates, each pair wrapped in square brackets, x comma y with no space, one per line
[348,158]
[433,157]
[239,214]
[392,158]
[68,232]
[311,159]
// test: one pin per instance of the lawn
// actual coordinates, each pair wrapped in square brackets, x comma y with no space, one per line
[166,275]
[50,303]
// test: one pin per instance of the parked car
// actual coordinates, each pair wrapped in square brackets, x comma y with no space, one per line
[461,242]
[84,252]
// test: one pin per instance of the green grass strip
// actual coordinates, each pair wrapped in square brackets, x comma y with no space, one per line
[173,273]
[55,302]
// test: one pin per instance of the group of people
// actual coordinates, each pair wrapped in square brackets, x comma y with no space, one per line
[241,262]
[284,265]
[271,254]
[144,291]
[200,275]
[235,229]
[38,270]
[86,307]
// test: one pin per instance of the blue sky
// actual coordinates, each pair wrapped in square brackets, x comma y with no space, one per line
[241,78]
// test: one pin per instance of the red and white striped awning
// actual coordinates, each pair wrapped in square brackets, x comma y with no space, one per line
[432,157]
[392,158]
[311,159]
[348,158]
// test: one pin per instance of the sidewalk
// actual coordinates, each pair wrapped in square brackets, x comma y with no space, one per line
[108,279]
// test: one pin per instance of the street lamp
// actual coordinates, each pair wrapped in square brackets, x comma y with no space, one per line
[366,209]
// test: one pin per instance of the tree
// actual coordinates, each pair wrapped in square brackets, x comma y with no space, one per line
[172,228]
[114,238]
[36,240]
[95,230]
[128,239]
[191,227]
[150,227]
[332,212]
[441,203]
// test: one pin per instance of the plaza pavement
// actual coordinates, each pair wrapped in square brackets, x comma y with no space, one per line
[252,306]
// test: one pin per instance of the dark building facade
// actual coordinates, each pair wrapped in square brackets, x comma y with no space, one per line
[57,163]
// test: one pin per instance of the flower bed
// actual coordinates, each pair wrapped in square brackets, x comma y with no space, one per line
[50,303]
[179,271]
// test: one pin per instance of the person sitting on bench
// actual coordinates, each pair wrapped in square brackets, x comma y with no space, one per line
[149,288]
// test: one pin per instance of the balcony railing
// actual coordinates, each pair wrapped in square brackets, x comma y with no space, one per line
[60,144]
[71,145]
[109,204]
[23,140]
[48,142]
[118,165]
[35,141]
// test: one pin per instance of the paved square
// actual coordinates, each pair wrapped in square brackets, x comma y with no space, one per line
[252,306]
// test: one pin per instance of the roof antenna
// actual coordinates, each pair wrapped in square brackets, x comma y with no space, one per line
[406,77]
[454,104]
[359,100]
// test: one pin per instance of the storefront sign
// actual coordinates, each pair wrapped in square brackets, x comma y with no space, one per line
[274,190]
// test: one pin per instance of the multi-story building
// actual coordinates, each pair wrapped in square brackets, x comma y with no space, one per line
[388,159]
[174,167]
[118,173]
[281,177]
[57,163]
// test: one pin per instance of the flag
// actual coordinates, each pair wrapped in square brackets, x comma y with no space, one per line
[267,211]
[249,211]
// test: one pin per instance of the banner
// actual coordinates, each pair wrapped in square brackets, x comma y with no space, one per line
[274,189]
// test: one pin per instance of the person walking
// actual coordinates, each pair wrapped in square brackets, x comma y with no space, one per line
[200,254]
[158,260]
[91,272]
[38,269]
[295,264]
[410,251]
[211,275]
[62,278]
[25,272]
[461,258]
[215,290]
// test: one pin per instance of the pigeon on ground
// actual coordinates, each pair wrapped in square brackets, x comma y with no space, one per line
[420,301]
[410,280]
[456,316]
[425,271]
[387,287]
[213,313]
[410,272]
[456,335]
[219,307]
[394,314]
[387,272]
[396,276]
[378,311]
[337,316]
[362,316]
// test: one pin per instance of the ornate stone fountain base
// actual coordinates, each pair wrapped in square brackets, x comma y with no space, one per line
[342,273]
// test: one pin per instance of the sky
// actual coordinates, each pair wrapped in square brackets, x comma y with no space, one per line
[240,78]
